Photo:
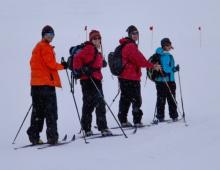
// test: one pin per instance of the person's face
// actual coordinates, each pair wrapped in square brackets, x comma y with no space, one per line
[49,37]
[135,35]
[97,41]
[168,47]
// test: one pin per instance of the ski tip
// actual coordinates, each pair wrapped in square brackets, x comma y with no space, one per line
[73,138]
[65,138]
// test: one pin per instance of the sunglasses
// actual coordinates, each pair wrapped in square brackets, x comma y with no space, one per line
[50,34]
[96,38]
[135,33]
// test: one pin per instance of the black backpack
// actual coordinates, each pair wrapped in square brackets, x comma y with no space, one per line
[73,51]
[115,60]
[151,73]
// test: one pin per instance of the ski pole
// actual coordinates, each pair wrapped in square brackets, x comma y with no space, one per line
[170,92]
[200,36]
[181,95]
[115,97]
[145,83]
[111,103]
[74,99]
[155,112]
[77,110]
[85,29]
[22,124]
[152,35]
[107,105]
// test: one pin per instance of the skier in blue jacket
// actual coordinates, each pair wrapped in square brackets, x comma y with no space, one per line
[166,78]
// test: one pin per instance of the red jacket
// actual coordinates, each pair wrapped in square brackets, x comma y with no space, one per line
[44,68]
[133,60]
[85,57]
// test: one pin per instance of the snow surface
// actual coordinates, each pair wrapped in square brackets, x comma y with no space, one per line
[167,146]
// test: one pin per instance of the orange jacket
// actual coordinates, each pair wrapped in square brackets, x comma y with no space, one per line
[44,68]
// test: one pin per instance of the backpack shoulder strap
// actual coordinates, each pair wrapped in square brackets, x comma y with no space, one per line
[122,46]
[157,58]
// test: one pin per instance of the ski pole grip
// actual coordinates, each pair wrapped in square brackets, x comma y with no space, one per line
[62,59]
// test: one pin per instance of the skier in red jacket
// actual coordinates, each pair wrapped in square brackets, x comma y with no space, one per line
[129,79]
[89,63]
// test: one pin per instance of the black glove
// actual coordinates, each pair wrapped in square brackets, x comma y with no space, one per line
[77,74]
[64,63]
[87,71]
[104,63]
[177,68]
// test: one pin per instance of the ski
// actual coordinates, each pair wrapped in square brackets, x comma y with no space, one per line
[27,146]
[117,127]
[183,121]
[138,127]
[63,142]
[53,145]
[124,128]
[87,137]
[32,145]
[101,136]
[156,122]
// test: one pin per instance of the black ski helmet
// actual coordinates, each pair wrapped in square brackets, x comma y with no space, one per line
[47,29]
[131,29]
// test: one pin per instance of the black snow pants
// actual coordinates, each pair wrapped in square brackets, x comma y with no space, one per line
[93,100]
[130,94]
[44,107]
[163,94]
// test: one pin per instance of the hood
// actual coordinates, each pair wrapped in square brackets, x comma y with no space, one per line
[125,40]
[161,51]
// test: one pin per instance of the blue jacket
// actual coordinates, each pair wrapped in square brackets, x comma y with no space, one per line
[168,65]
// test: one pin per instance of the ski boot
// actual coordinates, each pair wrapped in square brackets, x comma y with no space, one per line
[138,125]
[126,124]
[88,133]
[106,132]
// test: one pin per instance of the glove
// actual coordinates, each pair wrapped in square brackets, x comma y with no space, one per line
[177,68]
[64,63]
[77,74]
[87,71]
[157,67]
[104,63]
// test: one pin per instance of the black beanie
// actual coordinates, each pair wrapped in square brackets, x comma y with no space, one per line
[165,42]
[131,29]
[47,29]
